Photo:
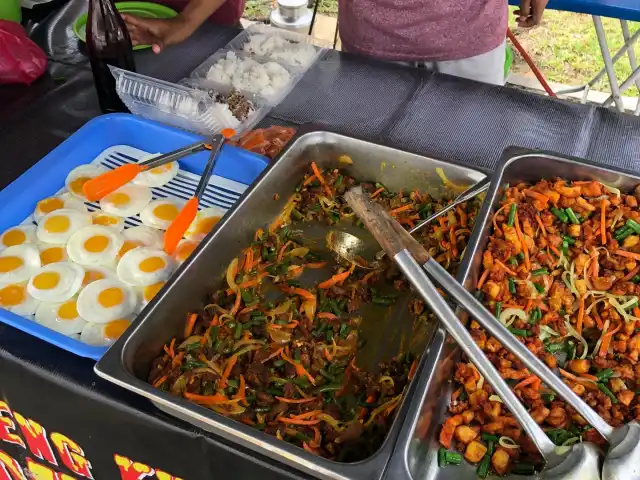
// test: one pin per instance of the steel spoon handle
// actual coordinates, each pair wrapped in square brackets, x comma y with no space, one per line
[500,332]
[463,338]
[468,194]
[175,155]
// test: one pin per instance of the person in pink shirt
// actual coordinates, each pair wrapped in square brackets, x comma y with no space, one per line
[461,38]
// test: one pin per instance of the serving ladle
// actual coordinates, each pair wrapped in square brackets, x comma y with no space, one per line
[354,249]
[581,461]
[623,458]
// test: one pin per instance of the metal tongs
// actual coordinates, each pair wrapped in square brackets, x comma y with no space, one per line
[581,461]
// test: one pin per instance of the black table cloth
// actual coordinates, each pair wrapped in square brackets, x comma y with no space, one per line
[89,420]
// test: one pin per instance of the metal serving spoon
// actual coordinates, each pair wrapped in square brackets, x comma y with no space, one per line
[623,459]
[354,250]
[581,461]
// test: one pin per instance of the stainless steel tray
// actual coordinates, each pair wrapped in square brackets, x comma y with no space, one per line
[127,362]
[415,455]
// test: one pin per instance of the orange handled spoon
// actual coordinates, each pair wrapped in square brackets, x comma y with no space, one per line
[104,184]
[181,223]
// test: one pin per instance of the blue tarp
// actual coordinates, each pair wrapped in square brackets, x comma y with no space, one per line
[621,9]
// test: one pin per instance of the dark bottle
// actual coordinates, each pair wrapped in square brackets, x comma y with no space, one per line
[108,43]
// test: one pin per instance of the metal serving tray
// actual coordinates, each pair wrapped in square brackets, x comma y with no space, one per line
[415,455]
[127,362]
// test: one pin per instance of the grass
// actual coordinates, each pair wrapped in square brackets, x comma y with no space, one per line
[565,48]
[260,9]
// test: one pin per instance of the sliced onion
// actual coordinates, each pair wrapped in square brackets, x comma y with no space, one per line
[605,327]
[623,313]
[309,309]
[613,190]
[386,379]
[190,340]
[495,398]
[298,252]
[572,332]
[279,336]
[547,332]
[282,308]
[232,271]
[508,442]
[506,316]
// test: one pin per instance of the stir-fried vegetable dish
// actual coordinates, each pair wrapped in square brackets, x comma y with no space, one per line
[279,355]
[561,272]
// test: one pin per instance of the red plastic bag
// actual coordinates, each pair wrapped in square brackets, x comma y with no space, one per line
[21,60]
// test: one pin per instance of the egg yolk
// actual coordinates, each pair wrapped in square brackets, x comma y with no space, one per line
[151,291]
[119,199]
[151,264]
[113,330]
[166,211]
[13,237]
[91,276]
[77,183]
[9,264]
[51,255]
[128,245]
[160,169]
[205,225]
[57,224]
[185,250]
[96,244]
[110,297]
[104,220]
[46,280]
[48,205]
[68,311]
[11,295]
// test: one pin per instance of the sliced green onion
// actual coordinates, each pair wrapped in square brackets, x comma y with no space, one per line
[491,448]
[442,459]
[572,216]
[604,374]
[519,332]
[560,214]
[487,437]
[453,458]
[512,286]
[483,468]
[636,279]
[513,261]
[548,397]
[635,226]
[524,469]
[520,256]
[512,214]
[565,248]
[539,288]
[603,388]
[624,234]
[498,309]
[540,271]
[569,240]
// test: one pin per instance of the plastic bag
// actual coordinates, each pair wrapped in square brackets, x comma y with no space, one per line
[21,60]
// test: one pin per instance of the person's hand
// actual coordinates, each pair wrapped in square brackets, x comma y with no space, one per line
[159,33]
[530,12]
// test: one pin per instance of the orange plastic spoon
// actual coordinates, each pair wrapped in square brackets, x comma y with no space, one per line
[181,223]
[104,184]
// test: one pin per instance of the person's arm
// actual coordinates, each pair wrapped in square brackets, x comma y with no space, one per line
[161,33]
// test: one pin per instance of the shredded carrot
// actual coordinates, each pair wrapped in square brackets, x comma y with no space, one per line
[294,421]
[529,305]
[305,415]
[368,276]
[236,305]
[455,395]
[580,316]
[598,319]
[301,292]
[159,381]
[606,340]
[542,227]
[510,305]
[575,378]
[321,179]
[413,369]
[464,219]
[206,399]
[327,355]
[308,448]
[309,180]
[315,265]
[171,351]
[555,250]
[295,400]
[526,382]
[401,209]
[317,437]
[273,355]
[505,268]
[241,391]
[525,249]
[258,235]
[283,249]
[377,192]
[495,225]
[603,218]
[222,383]
[536,195]
[191,321]
[338,278]
[177,360]
[252,283]
[636,311]
[300,370]
[452,239]
[327,315]
[248,263]
[624,253]
[589,377]
[483,278]
[630,275]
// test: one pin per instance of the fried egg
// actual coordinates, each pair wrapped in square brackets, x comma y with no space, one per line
[104,334]
[81,175]
[52,253]
[15,298]
[56,282]
[93,273]
[126,201]
[204,222]
[58,226]
[94,245]
[107,220]
[144,266]
[161,213]
[61,317]
[149,292]
[157,176]
[65,200]
[141,236]
[105,300]
[18,235]
[18,263]
[184,250]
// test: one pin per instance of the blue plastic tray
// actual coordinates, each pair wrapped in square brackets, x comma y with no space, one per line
[18,200]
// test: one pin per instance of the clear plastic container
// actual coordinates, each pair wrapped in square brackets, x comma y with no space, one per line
[199,78]
[247,42]
[182,106]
